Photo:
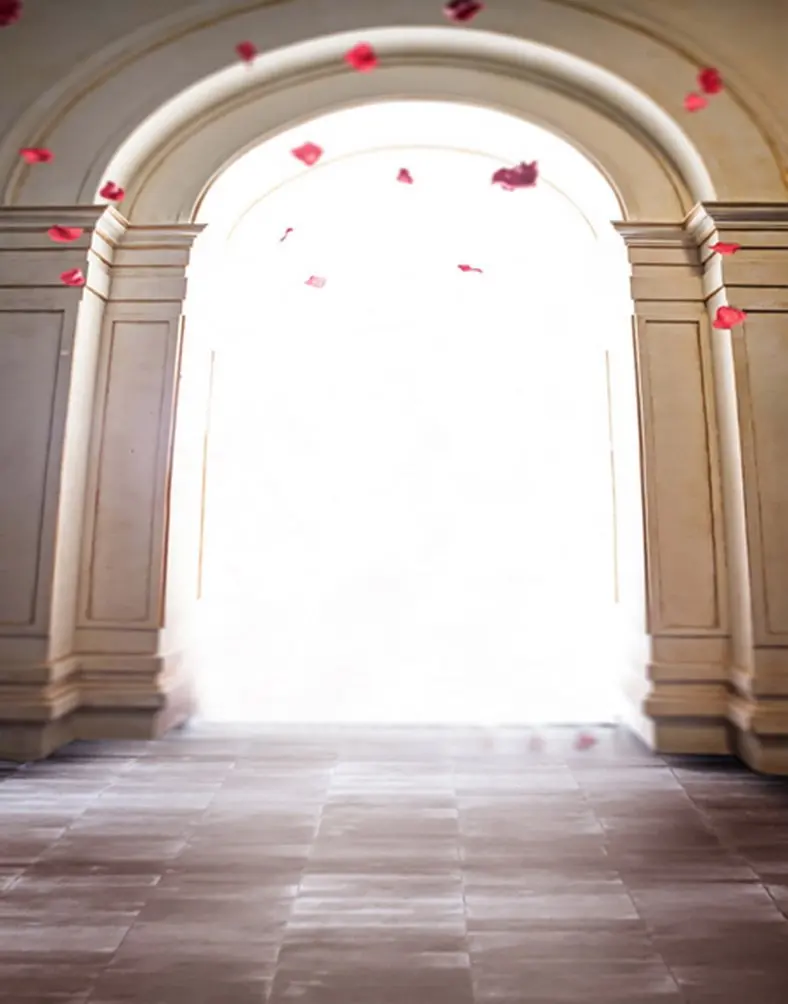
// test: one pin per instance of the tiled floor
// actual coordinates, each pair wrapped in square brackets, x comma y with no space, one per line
[422,866]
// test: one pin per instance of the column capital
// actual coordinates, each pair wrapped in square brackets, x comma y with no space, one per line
[745,218]
[653,235]
[159,236]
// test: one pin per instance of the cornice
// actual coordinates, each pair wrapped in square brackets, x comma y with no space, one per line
[665,235]
[707,217]
[35,219]
[160,235]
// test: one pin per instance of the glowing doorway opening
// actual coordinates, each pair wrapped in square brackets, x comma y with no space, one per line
[409,514]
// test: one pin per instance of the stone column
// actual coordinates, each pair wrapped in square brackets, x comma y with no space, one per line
[138,580]
[49,339]
[686,578]
[751,363]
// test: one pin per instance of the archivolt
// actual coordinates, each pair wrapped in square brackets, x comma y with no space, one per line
[166,159]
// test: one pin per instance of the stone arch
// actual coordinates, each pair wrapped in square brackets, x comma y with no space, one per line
[154,83]
[181,119]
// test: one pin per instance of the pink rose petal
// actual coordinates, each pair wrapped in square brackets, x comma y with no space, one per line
[309,153]
[405,176]
[585,741]
[462,10]
[10,12]
[522,176]
[468,268]
[112,192]
[246,51]
[362,57]
[73,277]
[315,280]
[727,318]
[710,80]
[723,247]
[64,235]
[36,155]
[695,102]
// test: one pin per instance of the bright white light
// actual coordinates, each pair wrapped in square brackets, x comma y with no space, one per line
[409,514]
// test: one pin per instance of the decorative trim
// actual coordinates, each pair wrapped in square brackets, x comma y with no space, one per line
[157,236]
[35,219]
[649,235]
[704,218]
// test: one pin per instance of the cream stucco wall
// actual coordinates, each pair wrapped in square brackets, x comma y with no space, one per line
[93,615]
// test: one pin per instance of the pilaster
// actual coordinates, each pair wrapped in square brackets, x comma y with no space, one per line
[686,575]
[49,336]
[751,362]
[133,678]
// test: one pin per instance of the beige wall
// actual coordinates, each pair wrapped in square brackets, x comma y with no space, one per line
[98,488]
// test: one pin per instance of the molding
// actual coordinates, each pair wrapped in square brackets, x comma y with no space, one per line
[650,235]
[706,217]
[158,236]
[33,219]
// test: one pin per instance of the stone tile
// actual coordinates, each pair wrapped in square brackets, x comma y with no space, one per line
[384,866]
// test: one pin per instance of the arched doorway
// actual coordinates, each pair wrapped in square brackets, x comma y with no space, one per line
[108,611]
[410,482]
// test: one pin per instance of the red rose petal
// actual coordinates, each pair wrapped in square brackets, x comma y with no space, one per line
[585,741]
[247,51]
[73,277]
[36,155]
[112,192]
[695,102]
[468,268]
[65,235]
[405,176]
[362,57]
[10,12]
[315,280]
[727,318]
[286,234]
[309,153]
[522,176]
[710,80]
[462,10]
[722,247]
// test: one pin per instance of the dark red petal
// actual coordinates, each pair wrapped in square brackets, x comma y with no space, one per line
[36,155]
[112,192]
[247,51]
[723,247]
[73,277]
[405,176]
[728,317]
[585,741]
[362,57]
[309,153]
[315,280]
[468,268]
[462,10]
[694,102]
[522,176]
[64,235]
[10,12]
[710,80]
[285,234]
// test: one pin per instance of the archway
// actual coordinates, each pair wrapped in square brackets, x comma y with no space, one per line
[471,563]
[114,620]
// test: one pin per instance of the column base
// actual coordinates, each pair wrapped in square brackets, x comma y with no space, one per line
[688,706]
[761,732]
[128,698]
[36,707]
